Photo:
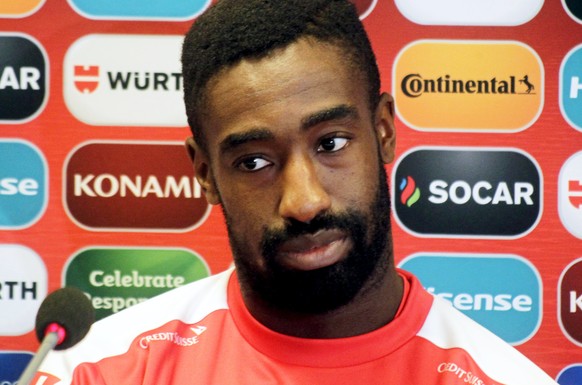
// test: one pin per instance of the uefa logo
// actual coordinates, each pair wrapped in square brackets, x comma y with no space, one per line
[115,73]
[571,88]
[432,76]
[170,10]
[501,292]
[467,192]
[134,186]
[23,78]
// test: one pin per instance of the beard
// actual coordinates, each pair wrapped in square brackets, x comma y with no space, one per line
[331,287]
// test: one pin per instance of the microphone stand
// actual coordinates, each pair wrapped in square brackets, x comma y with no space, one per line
[55,335]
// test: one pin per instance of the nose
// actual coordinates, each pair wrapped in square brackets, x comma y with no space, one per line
[303,195]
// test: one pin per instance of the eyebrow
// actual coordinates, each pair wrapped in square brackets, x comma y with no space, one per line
[260,133]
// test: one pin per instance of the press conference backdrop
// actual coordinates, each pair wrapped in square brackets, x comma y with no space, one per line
[97,192]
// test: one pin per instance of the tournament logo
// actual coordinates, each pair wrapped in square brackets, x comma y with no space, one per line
[501,292]
[570,301]
[454,85]
[18,9]
[467,192]
[172,10]
[571,88]
[23,286]
[23,184]
[117,278]
[115,73]
[23,78]
[570,195]
[573,9]
[571,375]
[459,12]
[133,186]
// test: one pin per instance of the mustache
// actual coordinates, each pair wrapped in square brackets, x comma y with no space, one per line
[349,222]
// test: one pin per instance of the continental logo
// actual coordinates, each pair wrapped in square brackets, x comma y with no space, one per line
[23,78]
[502,292]
[486,13]
[117,278]
[454,85]
[134,186]
[171,10]
[571,88]
[467,192]
[115,73]
[21,8]
[570,301]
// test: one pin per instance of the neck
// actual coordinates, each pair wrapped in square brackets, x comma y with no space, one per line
[374,306]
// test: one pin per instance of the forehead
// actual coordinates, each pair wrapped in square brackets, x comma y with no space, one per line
[306,75]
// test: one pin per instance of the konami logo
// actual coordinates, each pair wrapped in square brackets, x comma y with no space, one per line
[133,186]
[115,73]
[570,301]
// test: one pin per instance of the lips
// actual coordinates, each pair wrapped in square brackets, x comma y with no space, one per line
[314,251]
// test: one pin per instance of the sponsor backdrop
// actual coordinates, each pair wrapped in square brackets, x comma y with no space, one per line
[97,192]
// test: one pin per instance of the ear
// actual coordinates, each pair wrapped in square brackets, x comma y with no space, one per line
[384,127]
[203,171]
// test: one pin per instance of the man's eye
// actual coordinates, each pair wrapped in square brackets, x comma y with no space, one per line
[252,164]
[332,144]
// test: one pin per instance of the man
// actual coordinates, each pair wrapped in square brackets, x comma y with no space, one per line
[291,134]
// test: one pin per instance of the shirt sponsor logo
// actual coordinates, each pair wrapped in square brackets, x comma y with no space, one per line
[174,337]
[571,88]
[454,85]
[471,12]
[364,7]
[134,186]
[23,78]
[18,9]
[570,301]
[115,73]
[173,10]
[23,286]
[13,364]
[570,375]
[467,192]
[23,184]
[570,195]
[117,278]
[574,9]
[501,292]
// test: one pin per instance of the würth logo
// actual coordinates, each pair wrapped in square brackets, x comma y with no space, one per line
[134,186]
[86,78]
[116,73]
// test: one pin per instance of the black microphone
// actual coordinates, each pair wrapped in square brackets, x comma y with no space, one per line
[63,319]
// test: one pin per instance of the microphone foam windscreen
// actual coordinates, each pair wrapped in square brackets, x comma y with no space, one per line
[70,308]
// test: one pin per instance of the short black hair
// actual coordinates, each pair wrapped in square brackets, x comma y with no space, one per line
[232,30]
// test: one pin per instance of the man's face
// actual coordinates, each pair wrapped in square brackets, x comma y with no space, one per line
[294,156]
